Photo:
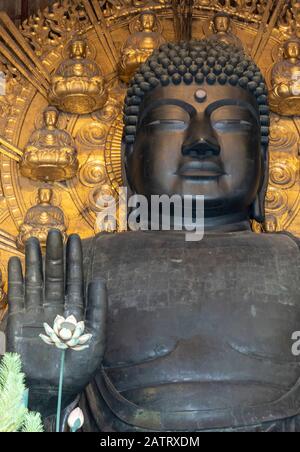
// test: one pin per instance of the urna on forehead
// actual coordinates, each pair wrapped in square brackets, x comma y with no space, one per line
[202,63]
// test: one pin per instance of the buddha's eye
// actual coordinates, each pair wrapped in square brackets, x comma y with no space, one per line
[167,117]
[174,124]
[232,125]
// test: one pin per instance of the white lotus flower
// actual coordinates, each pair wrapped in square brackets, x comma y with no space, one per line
[66,333]
[76,420]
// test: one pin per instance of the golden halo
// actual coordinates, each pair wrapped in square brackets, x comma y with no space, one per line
[113,153]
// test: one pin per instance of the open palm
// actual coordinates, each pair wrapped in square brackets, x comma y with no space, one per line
[47,291]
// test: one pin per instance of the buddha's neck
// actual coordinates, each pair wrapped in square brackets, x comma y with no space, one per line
[226,223]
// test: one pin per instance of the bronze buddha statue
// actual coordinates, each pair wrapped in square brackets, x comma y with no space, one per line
[186,336]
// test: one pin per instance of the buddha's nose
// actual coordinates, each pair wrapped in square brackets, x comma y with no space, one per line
[201,148]
[200,141]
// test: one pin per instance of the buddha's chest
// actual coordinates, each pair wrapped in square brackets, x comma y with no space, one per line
[168,296]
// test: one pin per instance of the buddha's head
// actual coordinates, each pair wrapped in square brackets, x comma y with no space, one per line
[292,49]
[78,48]
[51,117]
[45,195]
[148,21]
[197,123]
[221,22]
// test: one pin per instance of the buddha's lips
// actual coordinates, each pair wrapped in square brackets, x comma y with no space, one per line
[200,169]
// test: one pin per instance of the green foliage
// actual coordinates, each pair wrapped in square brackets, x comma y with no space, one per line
[32,423]
[14,416]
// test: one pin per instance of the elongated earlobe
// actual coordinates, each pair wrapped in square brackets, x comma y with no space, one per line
[258,209]
[127,150]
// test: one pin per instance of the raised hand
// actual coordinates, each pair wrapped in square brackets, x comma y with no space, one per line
[43,295]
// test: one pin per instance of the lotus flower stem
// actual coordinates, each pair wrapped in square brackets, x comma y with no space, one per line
[60,389]
[65,334]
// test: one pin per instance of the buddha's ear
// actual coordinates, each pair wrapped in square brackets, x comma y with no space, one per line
[258,207]
[127,150]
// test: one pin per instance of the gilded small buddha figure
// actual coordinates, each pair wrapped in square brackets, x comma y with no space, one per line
[221,25]
[40,219]
[78,85]
[139,46]
[285,93]
[50,154]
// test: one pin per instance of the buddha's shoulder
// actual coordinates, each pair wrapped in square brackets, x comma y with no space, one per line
[134,252]
[130,238]
[140,239]
[282,239]
[277,239]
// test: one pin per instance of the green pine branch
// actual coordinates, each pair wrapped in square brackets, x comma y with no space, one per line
[32,423]
[14,416]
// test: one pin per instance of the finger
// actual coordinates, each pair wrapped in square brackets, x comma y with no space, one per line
[97,309]
[33,274]
[74,278]
[15,285]
[54,273]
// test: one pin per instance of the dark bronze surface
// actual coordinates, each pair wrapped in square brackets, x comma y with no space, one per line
[211,148]
[198,335]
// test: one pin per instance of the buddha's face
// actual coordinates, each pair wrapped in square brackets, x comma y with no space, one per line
[51,118]
[292,49]
[78,49]
[148,22]
[222,24]
[199,141]
[45,195]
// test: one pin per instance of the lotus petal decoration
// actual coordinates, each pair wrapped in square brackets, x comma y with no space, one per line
[66,333]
